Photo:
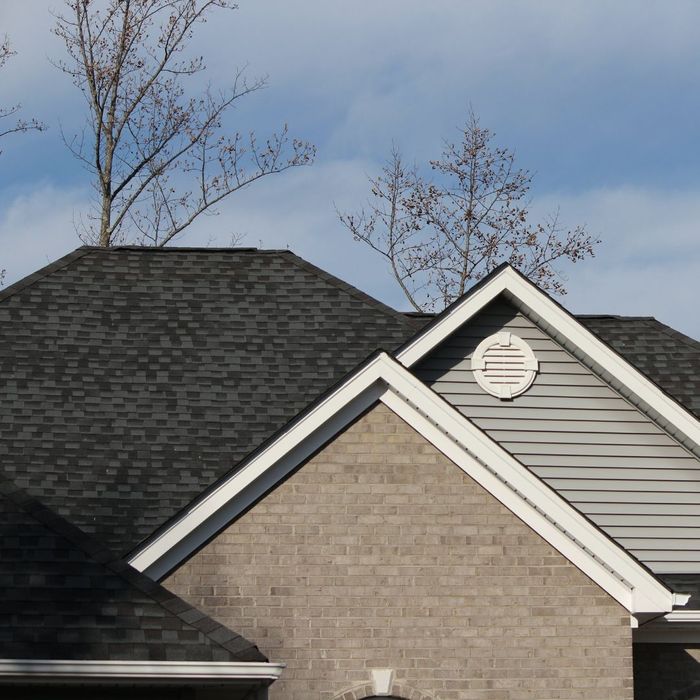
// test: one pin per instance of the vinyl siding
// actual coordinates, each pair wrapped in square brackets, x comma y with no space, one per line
[582,438]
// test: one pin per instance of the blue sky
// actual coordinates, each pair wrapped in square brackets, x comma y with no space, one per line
[600,99]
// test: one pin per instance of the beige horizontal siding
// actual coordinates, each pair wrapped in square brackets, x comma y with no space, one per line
[583,439]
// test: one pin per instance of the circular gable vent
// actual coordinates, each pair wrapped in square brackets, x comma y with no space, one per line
[504,365]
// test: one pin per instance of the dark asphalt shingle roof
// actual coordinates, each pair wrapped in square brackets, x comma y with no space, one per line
[66,597]
[667,357]
[133,378]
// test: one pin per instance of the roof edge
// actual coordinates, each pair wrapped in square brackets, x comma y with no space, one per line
[56,265]
[384,379]
[45,271]
[232,642]
[67,671]
[506,280]
[347,287]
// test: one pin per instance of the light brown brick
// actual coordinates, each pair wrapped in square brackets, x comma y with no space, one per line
[380,552]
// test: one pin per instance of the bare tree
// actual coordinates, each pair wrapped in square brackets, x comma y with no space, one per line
[159,157]
[391,229]
[14,125]
[440,236]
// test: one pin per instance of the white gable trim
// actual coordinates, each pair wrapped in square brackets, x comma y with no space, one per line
[514,284]
[33,670]
[383,379]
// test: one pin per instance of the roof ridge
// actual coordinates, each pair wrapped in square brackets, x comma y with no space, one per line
[345,286]
[62,262]
[230,641]
[676,335]
[45,271]
[187,249]
[617,316]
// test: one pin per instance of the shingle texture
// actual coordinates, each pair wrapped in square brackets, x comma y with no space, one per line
[134,378]
[667,357]
[65,597]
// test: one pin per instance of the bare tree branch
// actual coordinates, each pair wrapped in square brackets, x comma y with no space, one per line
[387,227]
[443,234]
[159,157]
[18,126]
[13,126]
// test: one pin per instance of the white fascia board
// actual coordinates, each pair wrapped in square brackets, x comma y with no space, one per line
[683,616]
[677,627]
[473,451]
[449,321]
[526,496]
[507,280]
[234,494]
[221,671]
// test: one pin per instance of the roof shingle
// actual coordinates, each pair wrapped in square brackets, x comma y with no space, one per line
[66,597]
[134,378]
[667,357]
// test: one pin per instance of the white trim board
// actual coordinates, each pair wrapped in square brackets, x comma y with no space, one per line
[133,671]
[514,285]
[384,379]
[677,627]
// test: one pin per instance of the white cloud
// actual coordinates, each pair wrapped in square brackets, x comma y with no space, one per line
[351,76]
[649,261]
[36,227]
[648,264]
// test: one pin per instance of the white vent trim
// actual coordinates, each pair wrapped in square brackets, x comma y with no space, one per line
[504,365]
[551,314]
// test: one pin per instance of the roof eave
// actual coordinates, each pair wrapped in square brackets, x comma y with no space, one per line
[506,280]
[384,379]
[135,672]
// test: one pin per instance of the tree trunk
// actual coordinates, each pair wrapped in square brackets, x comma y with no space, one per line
[105,222]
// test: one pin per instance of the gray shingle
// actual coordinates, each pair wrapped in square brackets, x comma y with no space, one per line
[66,597]
[134,378]
[667,357]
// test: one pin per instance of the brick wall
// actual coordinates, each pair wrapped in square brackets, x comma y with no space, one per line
[381,553]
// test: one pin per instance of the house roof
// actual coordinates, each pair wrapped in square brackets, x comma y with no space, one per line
[669,358]
[66,597]
[382,379]
[134,378]
[630,382]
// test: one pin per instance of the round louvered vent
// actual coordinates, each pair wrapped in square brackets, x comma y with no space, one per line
[504,365]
